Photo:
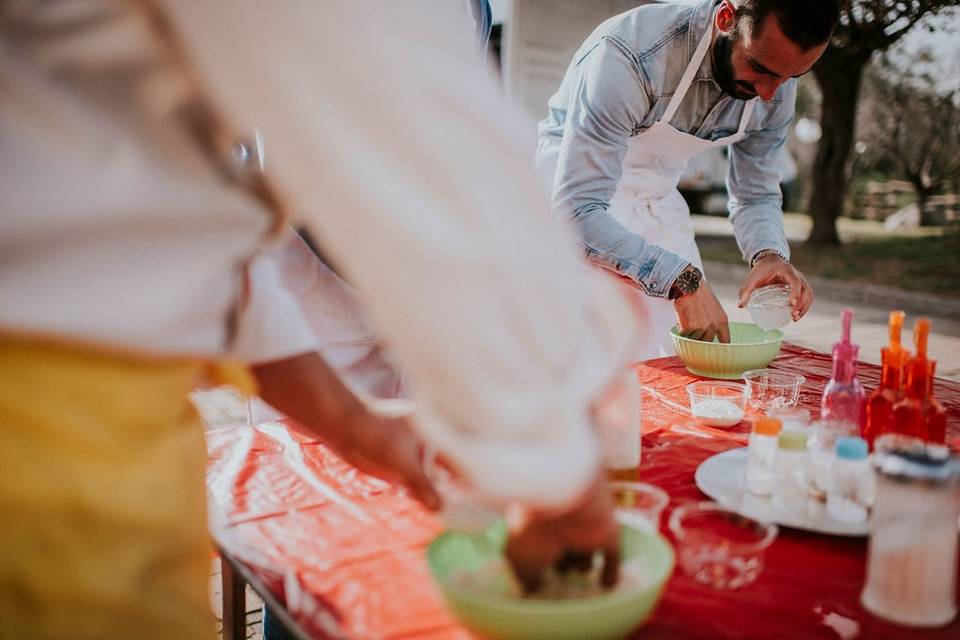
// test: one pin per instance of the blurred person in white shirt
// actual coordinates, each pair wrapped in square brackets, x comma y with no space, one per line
[122,253]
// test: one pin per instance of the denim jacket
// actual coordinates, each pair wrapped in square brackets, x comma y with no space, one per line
[619,84]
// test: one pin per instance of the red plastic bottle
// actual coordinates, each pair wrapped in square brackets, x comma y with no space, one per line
[880,403]
[935,413]
[919,414]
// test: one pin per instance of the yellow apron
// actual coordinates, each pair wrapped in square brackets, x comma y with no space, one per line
[102,503]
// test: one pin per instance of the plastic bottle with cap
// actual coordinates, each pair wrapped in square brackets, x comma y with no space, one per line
[843,397]
[880,403]
[822,453]
[850,496]
[918,413]
[789,473]
[761,454]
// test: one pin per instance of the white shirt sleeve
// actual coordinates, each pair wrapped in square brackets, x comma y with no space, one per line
[271,324]
[294,304]
[392,142]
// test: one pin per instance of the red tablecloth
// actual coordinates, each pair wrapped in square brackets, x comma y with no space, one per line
[344,551]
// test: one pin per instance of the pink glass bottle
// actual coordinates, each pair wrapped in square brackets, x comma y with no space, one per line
[844,398]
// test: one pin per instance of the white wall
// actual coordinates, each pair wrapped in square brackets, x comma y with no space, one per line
[541,37]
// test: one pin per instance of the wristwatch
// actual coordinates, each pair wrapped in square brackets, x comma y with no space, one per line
[763,254]
[686,283]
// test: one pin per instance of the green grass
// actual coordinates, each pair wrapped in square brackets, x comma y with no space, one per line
[930,264]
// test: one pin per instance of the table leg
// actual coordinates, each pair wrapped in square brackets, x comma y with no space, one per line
[234,591]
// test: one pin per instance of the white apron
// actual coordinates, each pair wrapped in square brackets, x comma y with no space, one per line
[648,203]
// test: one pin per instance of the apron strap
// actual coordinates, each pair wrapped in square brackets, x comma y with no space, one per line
[691,70]
[745,116]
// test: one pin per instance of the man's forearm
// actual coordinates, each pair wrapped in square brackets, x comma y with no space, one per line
[759,226]
[612,246]
[305,388]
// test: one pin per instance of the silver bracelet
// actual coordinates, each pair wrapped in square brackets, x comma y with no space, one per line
[764,253]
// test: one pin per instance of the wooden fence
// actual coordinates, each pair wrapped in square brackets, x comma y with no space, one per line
[879,200]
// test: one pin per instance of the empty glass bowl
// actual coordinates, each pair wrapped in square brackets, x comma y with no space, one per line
[717,404]
[639,504]
[770,306]
[769,390]
[719,547]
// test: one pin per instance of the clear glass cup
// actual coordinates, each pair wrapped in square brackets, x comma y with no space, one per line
[618,421]
[719,547]
[769,390]
[639,505]
[717,404]
[770,306]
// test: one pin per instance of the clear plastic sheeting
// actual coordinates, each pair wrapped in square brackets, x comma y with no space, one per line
[344,550]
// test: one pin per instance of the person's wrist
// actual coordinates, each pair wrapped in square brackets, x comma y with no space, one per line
[766,254]
[686,283]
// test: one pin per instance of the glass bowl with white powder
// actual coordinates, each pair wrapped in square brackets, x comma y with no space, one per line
[717,404]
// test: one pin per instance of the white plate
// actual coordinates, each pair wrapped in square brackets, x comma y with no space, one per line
[722,478]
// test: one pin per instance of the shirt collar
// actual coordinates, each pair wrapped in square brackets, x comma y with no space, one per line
[701,19]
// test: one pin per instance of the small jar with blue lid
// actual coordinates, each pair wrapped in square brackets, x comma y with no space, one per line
[851,491]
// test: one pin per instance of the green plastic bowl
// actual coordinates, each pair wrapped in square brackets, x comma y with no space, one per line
[502,617]
[750,347]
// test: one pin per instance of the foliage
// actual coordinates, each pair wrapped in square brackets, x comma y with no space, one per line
[866,27]
[909,125]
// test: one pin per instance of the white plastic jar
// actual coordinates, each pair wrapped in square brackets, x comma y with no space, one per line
[822,453]
[789,473]
[761,455]
[850,494]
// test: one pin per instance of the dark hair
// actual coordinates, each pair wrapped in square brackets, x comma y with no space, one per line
[808,23]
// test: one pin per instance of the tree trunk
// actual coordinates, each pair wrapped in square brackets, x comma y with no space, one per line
[838,76]
[927,218]
[923,188]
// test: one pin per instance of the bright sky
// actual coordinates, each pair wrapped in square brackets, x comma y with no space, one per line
[944,43]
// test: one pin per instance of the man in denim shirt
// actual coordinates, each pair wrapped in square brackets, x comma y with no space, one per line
[648,90]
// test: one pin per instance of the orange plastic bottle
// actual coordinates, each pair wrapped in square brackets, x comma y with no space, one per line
[918,413]
[880,403]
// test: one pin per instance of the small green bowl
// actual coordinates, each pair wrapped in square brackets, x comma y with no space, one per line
[750,347]
[502,617]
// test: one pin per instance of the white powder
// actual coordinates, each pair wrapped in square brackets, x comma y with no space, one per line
[716,412]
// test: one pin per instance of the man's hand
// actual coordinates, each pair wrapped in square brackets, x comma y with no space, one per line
[385,446]
[772,269]
[308,390]
[701,316]
[567,540]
